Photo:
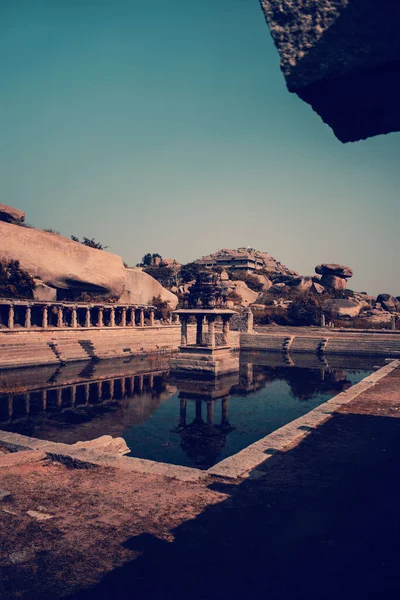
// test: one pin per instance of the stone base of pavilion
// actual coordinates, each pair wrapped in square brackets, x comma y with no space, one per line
[204,361]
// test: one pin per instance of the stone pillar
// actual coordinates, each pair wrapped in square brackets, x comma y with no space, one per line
[141,322]
[59,397]
[151,317]
[99,391]
[11,316]
[111,389]
[74,319]
[225,330]
[123,317]
[86,392]
[28,317]
[176,319]
[123,387]
[132,322]
[60,320]
[323,323]
[73,395]
[10,406]
[393,323]
[45,317]
[100,322]
[199,330]
[87,318]
[44,400]
[211,331]
[184,331]
[27,403]
[112,317]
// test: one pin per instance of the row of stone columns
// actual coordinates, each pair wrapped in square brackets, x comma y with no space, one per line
[209,321]
[128,316]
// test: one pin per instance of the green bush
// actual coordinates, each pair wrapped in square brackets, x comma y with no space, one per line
[14,281]
[190,271]
[305,311]
[164,275]
[163,309]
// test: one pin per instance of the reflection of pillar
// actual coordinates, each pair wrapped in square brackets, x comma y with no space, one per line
[60,322]
[198,409]
[140,383]
[246,374]
[123,390]
[87,319]
[211,331]
[151,381]
[74,318]
[199,330]
[28,317]
[123,317]
[210,413]
[99,390]
[112,317]
[184,331]
[151,318]
[224,410]
[225,331]
[100,322]
[182,412]
[73,395]
[11,317]
[141,321]
[45,317]
[323,323]
[10,406]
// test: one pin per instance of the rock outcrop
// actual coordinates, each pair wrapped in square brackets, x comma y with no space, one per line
[61,263]
[343,58]
[343,308]
[334,276]
[9,214]
[388,302]
[141,288]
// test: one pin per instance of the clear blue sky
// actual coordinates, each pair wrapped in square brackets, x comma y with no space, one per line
[166,127]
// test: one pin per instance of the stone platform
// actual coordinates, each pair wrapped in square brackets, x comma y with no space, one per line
[205,361]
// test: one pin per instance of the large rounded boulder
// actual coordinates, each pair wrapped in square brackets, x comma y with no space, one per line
[334,276]
[141,288]
[61,263]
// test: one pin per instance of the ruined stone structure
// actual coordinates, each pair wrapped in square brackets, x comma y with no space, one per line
[244,259]
[343,58]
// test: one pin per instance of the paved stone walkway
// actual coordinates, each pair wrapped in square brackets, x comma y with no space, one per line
[319,521]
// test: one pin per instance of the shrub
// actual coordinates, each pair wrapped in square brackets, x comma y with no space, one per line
[163,309]
[90,242]
[305,311]
[14,281]
[250,280]
[49,230]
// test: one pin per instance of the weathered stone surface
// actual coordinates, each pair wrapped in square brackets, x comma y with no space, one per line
[61,263]
[302,284]
[9,214]
[343,58]
[141,288]
[317,288]
[44,292]
[105,443]
[388,302]
[334,269]
[343,308]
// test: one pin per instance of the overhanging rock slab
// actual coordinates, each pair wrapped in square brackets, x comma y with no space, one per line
[343,58]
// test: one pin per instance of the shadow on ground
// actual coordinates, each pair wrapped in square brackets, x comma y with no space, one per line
[322,521]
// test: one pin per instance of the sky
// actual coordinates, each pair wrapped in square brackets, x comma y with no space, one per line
[167,127]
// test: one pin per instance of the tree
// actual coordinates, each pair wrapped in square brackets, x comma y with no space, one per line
[14,281]
[163,309]
[190,271]
[148,259]
[90,242]
[163,275]
[304,312]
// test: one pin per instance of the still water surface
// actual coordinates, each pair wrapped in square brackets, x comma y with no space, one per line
[186,422]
